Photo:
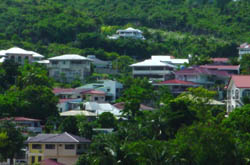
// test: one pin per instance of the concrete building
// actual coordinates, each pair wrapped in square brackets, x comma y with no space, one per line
[63,148]
[69,67]
[238,88]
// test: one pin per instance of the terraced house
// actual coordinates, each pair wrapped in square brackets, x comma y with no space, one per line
[63,148]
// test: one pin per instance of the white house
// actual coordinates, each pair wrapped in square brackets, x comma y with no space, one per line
[237,89]
[128,33]
[69,67]
[152,69]
[111,88]
[244,49]
[20,55]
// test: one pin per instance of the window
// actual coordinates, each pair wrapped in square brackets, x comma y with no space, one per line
[32,159]
[64,62]
[69,146]
[96,98]
[19,59]
[54,62]
[36,146]
[50,146]
[39,158]
[237,94]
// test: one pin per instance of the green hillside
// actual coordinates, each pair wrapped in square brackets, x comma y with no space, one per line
[177,27]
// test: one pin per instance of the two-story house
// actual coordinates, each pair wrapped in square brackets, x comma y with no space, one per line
[63,148]
[238,89]
[69,67]
[159,67]
[20,56]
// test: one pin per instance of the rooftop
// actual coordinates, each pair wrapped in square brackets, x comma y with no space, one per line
[57,138]
[17,50]
[19,119]
[152,63]
[69,57]
[177,82]
[244,46]
[201,71]
[130,29]
[142,106]
[169,59]
[241,81]
[222,67]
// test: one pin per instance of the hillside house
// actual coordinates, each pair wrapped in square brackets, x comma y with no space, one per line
[202,76]
[128,33]
[238,89]
[26,124]
[63,148]
[111,88]
[176,87]
[157,68]
[244,49]
[69,67]
[20,55]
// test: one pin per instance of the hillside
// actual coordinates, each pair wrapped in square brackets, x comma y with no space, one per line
[53,27]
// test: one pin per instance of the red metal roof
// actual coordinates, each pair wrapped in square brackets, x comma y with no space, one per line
[221,67]
[63,90]
[179,82]
[201,71]
[94,92]
[241,81]
[244,46]
[19,119]
[220,60]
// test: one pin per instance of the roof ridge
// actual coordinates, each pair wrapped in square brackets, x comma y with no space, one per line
[71,136]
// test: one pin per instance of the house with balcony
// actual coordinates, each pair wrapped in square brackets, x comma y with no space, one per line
[69,67]
[159,67]
[26,124]
[20,55]
[128,33]
[244,49]
[153,70]
[63,148]
[238,90]
[202,76]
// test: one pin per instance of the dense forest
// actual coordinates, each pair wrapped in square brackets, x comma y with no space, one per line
[178,27]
